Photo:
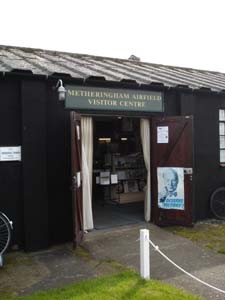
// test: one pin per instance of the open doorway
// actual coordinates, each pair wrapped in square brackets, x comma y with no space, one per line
[119,172]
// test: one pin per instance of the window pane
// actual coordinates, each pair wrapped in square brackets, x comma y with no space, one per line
[222,128]
[222,142]
[222,115]
[222,155]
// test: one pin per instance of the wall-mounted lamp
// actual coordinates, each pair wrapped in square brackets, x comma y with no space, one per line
[61,90]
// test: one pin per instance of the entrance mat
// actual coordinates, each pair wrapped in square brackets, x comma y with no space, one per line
[111,215]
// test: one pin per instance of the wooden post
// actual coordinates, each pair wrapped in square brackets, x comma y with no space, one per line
[144,254]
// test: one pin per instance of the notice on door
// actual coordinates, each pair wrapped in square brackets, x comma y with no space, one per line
[10,153]
[162,135]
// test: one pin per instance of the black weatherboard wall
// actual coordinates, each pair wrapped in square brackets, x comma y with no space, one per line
[35,192]
[58,169]
[208,174]
[34,161]
[46,166]
[11,172]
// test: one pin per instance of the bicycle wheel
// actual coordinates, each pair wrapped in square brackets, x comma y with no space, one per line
[5,234]
[217,203]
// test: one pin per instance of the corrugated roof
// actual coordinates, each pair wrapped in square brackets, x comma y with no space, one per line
[44,62]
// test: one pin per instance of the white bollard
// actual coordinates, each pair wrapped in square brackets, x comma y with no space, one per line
[1,261]
[144,254]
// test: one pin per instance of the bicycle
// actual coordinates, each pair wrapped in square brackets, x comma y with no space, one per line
[217,203]
[6,227]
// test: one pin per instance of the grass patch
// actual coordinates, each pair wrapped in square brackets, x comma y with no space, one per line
[211,236]
[83,253]
[19,271]
[102,267]
[222,250]
[115,265]
[11,260]
[122,286]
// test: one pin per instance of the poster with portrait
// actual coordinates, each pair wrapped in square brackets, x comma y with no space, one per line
[170,188]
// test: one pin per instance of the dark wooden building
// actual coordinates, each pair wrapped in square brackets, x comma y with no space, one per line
[36,192]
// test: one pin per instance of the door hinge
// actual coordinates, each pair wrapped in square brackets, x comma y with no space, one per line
[74,182]
[188,171]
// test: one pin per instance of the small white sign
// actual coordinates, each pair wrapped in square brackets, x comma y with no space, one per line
[162,135]
[104,178]
[114,178]
[10,153]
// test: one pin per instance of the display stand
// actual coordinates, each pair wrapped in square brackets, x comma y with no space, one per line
[106,180]
[125,182]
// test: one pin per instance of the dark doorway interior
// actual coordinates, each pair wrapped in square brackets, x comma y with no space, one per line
[119,174]
[111,215]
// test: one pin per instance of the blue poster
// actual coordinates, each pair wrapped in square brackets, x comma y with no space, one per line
[170,188]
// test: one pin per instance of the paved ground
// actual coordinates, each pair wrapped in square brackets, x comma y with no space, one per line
[121,245]
[26,273]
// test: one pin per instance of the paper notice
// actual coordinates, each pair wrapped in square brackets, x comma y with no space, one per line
[104,178]
[163,135]
[114,178]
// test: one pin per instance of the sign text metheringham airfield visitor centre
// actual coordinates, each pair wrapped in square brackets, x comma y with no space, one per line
[113,99]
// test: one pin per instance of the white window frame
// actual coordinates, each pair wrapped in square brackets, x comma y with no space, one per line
[222,136]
